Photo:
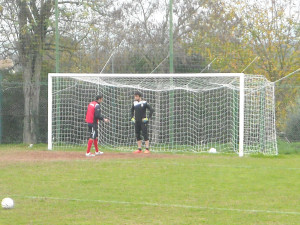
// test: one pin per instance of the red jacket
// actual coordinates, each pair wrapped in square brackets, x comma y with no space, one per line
[93,113]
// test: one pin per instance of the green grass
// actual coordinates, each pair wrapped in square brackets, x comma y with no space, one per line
[188,189]
[288,148]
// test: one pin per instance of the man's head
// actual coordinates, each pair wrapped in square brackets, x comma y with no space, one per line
[99,98]
[137,96]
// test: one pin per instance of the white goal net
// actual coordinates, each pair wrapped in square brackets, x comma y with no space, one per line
[193,112]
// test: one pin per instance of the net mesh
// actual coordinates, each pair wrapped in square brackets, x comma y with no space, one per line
[192,114]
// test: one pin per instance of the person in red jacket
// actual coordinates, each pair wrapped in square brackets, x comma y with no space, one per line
[93,115]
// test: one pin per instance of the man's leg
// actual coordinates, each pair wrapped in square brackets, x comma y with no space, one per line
[97,152]
[95,137]
[90,141]
[89,146]
[146,137]
[138,137]
[96,144]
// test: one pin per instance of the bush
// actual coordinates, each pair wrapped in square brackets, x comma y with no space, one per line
[292,130]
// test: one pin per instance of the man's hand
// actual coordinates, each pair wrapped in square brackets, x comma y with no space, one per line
[145,120]
[106,120]
[132,120]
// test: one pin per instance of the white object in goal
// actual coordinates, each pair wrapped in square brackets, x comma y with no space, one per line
[193,112]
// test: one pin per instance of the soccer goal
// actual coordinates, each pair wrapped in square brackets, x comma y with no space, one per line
[230,112]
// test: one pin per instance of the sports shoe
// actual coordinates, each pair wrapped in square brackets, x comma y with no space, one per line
[89,154]
[146,151]
[98,153]
[138,151]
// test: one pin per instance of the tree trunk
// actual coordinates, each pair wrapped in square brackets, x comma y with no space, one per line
[30,48]
[31,92]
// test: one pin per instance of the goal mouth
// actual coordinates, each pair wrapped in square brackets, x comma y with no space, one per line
[193,112]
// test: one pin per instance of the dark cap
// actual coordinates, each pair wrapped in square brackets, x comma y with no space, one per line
[99,97]
[138,93]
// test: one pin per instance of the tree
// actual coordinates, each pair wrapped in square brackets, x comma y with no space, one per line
[147,31]
[272,31]
[237,32]
[26,35]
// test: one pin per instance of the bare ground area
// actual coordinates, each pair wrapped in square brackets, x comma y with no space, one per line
[33,156]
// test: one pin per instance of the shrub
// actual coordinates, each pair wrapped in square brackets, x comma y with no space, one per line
[292,129]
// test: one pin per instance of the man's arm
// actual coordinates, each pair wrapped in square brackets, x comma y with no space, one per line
[132,111]
[150,109]
[98,113]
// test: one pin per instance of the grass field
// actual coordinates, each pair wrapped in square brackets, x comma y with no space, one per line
[160,189]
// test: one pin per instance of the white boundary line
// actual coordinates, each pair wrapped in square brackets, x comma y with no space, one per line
[188,164]
[162,205]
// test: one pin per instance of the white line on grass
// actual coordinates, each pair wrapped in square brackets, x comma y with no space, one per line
[197,164]
[162,205]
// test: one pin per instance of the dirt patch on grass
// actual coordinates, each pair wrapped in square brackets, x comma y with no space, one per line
[32,156]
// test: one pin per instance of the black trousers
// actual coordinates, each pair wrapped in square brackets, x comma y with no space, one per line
[140,126]
[93,130]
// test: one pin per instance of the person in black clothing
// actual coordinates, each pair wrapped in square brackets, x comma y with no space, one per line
[140,120]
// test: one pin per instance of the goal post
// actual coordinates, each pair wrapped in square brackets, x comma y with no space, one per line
[241,114]
[50,94]
[211,110]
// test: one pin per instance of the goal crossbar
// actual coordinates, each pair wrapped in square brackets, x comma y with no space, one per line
[155,75]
